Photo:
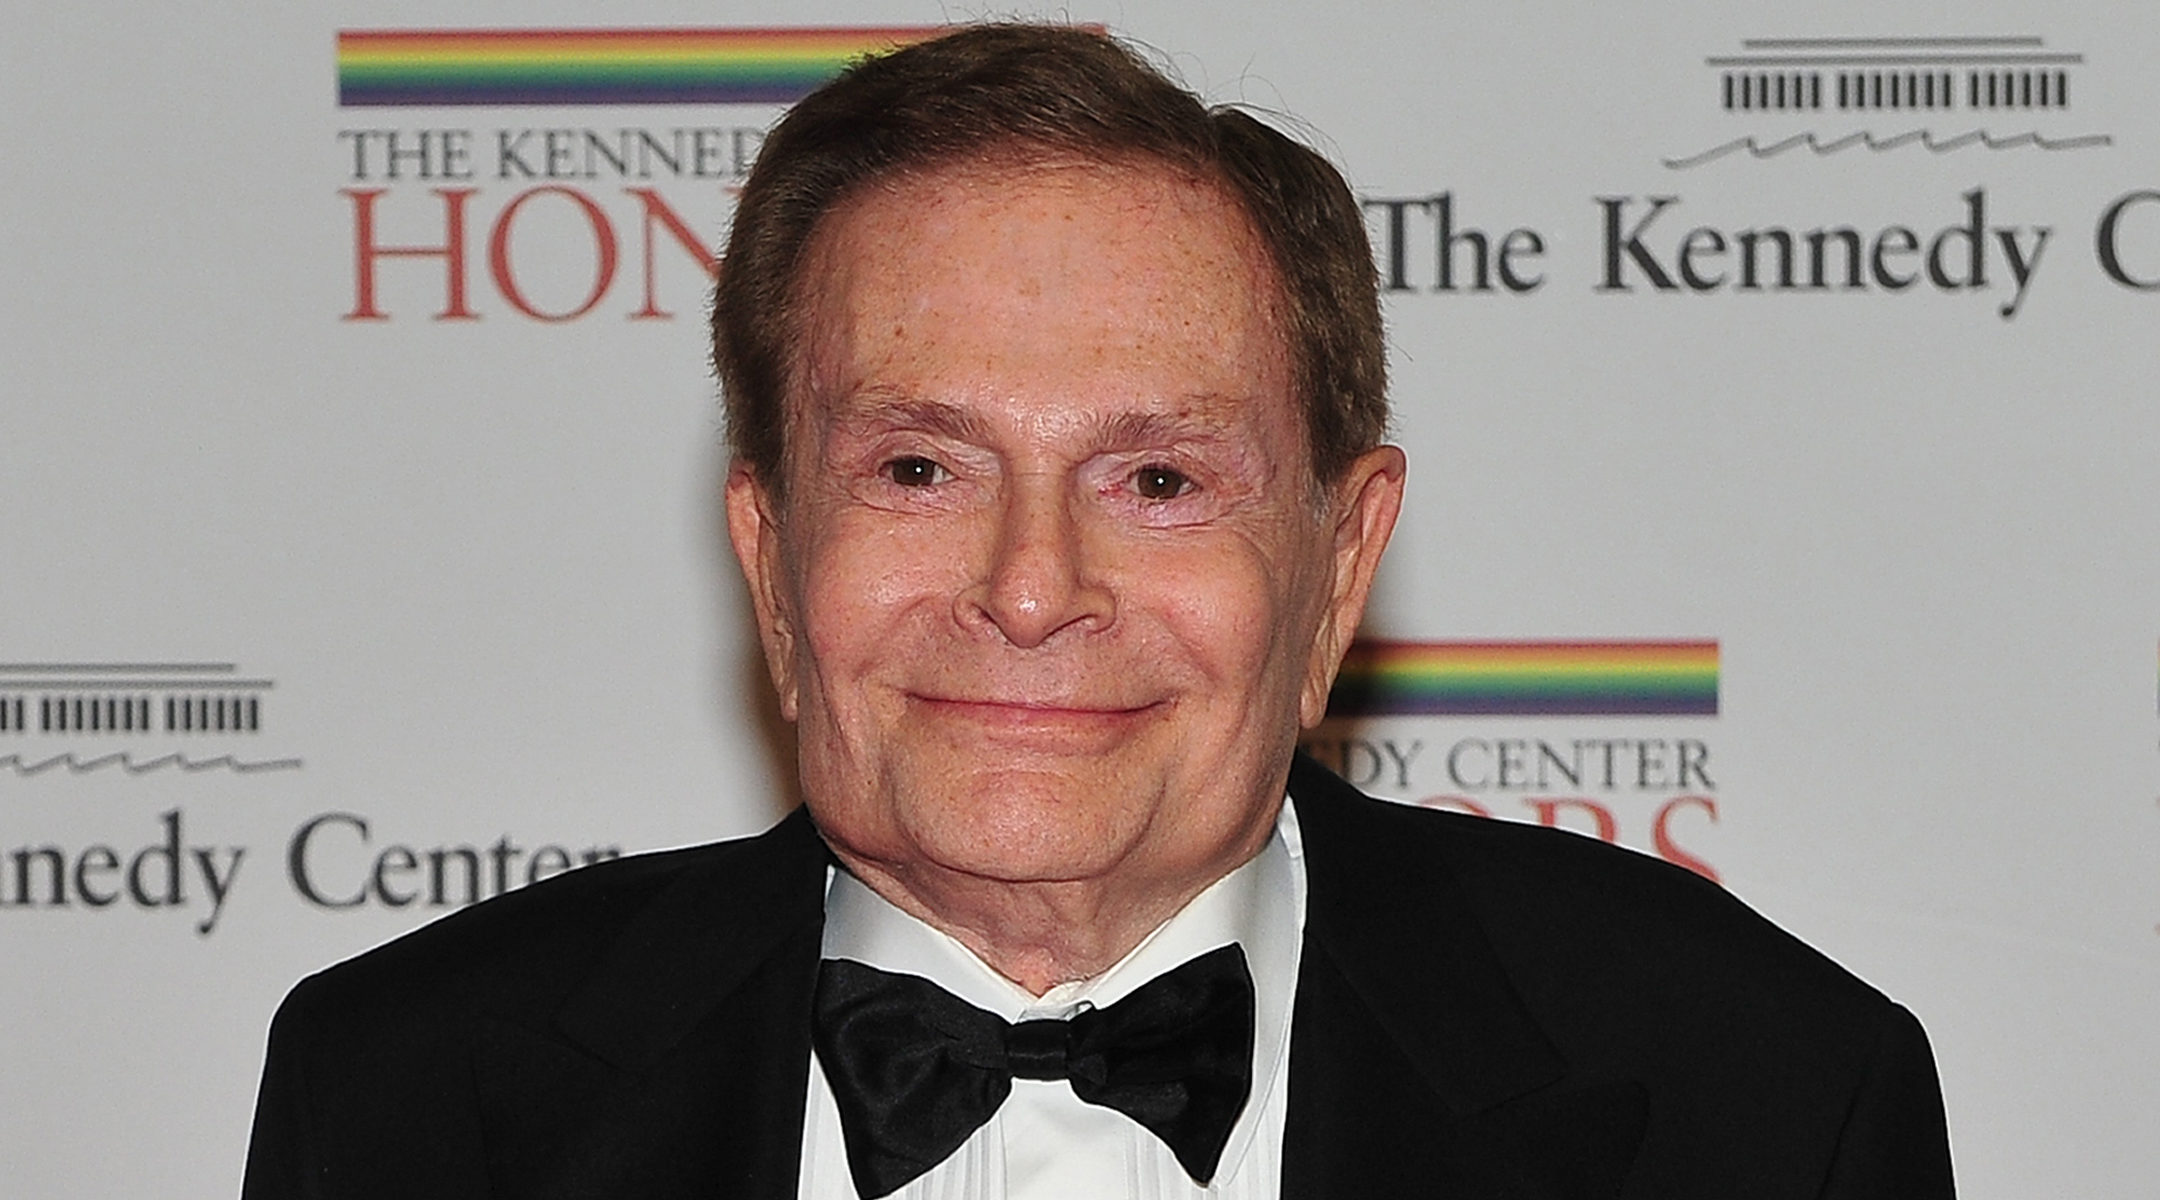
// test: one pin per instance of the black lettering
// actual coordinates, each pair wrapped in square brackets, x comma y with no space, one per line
[438,874]
[56,864]
[1528,244]
[1708,242]
[456,153]
[1818,255]
[169,854]
[296,860]
[2110,249]
[1395,241]
[1401,760]
[104,860]
[597,151]
[1570,770]
[1650,764]
[421,156]
[1454,764]
[1750,268]
[1447,239]
[1514,763]
[219,886]
[510,153]
[1974,234]
[1694,764]
[1611,747]
[2021,266]
[1907,242]
[670,155]
[708,154]
[360,139]
[500,854]
[1630,245]
[395,860]
[557,146]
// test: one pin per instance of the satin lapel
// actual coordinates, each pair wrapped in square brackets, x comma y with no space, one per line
[678,1069]
[1414,1067]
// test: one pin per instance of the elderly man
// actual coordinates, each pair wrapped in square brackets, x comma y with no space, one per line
[1057,403]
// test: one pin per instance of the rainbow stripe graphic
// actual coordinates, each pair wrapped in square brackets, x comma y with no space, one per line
[599,66]
[1526,679]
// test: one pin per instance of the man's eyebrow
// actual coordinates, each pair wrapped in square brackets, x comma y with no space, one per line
[1198,422]
[870,413]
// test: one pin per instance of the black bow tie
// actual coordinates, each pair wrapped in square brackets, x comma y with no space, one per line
[915,1070]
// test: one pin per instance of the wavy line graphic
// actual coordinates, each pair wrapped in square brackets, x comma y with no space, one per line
[25,768]
[1896,141]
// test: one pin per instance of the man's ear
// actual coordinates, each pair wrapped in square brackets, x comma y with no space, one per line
[754,530]
[1363,505]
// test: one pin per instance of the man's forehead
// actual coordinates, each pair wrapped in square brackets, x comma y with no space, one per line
[998,174]
[1149,248]
[1082,207]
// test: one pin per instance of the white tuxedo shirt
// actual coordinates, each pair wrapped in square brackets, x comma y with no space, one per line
[1044,1143]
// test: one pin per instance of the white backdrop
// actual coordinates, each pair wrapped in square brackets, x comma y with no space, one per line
[459,592]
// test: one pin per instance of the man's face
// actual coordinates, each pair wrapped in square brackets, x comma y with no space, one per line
[1052,587]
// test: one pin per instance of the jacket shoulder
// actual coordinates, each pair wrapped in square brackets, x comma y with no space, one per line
[1763,1068]
[1569,914]
[518,955]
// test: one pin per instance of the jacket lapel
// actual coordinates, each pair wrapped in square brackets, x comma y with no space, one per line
[1414,1067]
[678,1068]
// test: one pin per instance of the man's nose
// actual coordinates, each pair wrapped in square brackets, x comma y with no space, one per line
[1038,579]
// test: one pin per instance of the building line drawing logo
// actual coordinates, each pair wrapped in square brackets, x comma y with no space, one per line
[1893,76]
[120,700]
[25,766]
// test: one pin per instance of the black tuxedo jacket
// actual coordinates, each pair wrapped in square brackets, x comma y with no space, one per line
[1484,1010]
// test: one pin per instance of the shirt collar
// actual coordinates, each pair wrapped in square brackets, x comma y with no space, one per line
[1260,906]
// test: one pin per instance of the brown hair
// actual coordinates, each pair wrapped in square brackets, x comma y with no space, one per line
[989,90]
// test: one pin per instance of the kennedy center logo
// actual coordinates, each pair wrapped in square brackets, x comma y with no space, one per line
[1890,93]
[65,727]
[145,723]
[1603,737]
[597,181]
[134,718]
[2007,105]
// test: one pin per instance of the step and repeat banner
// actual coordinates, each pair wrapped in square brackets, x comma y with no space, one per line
[1779,387]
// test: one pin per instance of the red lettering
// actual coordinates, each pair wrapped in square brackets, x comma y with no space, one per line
[603,242]
[657,211]
[1669,850]
[366,252]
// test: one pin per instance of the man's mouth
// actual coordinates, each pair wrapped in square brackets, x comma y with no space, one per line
[1061,720]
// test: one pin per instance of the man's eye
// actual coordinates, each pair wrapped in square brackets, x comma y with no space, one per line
[1158,482]
[913,470]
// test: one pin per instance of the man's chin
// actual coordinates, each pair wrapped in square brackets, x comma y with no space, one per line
[1032,824]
